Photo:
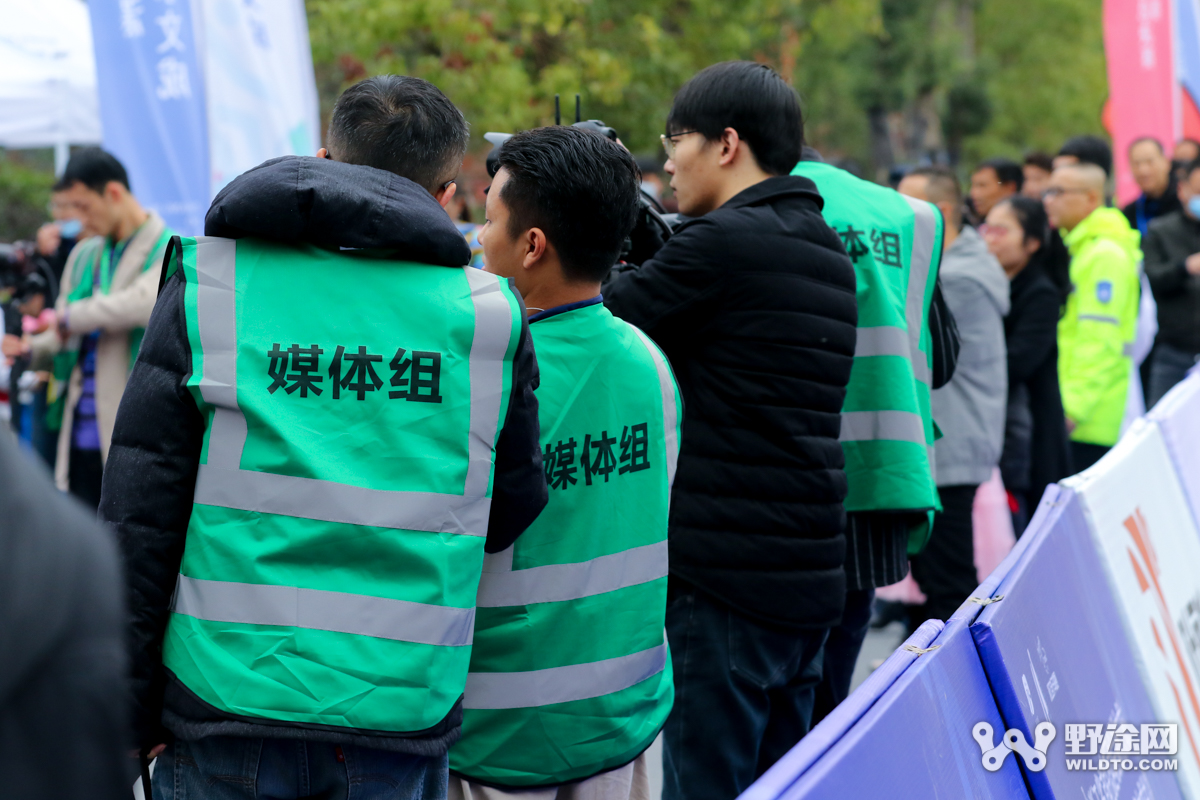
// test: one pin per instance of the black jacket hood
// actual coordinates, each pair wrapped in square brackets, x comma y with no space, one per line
[331,204]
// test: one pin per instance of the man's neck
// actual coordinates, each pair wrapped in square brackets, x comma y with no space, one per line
[739,181]
[1081,220]
[547,296]
[949,234]
[132,217]
[1156,194]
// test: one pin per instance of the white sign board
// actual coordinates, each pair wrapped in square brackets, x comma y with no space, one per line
[1178,415]
[258,72]
[1150,549]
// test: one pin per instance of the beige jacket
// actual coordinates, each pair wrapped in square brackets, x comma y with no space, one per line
[126,306]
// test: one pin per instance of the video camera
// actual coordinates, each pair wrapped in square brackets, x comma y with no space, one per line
[650,232]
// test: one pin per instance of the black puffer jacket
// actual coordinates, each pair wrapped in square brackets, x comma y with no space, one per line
[754,305]
[63,709]
[150,476]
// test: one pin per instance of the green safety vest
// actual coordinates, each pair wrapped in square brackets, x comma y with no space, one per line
[95,254]
[352,406]
[887,433]
[570,674]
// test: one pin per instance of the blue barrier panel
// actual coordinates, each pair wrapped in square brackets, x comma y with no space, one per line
[792,767]
[1178,417]
[917,740]
[800,758]
[1054,649]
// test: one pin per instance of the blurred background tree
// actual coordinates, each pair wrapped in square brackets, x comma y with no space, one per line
[883,81]
[24,195]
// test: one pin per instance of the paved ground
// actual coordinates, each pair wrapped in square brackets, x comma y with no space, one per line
[878,646]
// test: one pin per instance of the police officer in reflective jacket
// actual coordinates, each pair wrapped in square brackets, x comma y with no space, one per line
[570,675]
[331,420]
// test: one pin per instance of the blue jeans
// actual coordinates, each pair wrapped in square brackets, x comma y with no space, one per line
[1169,367]
[841,652]
[743,697]
[232,768]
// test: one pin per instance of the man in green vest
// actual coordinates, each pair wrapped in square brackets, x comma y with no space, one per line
[887,429]
[570,676]
[107,292]
[331,420]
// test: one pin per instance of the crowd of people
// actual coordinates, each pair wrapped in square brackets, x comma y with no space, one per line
[432,509]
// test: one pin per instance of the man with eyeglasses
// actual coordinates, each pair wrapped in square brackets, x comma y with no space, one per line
[753,302]
[1096,333]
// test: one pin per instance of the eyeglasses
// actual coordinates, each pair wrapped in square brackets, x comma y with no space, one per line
[668,141]
[1058,191]
[448,184]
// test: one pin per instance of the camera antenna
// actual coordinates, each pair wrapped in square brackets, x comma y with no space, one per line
[557,112]
[578,115]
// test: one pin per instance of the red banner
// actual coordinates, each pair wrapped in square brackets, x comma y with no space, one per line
[1143,90]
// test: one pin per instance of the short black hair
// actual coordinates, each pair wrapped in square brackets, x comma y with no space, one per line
[751,98]
[1089,150]
[400,124]
[1007,170]
[579,187]
[942,187]
[1187,140]
[942,181]
[1036,158]
[1152,139]
[94,168]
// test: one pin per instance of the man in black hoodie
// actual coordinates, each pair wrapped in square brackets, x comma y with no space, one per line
[303,541]
[753,302]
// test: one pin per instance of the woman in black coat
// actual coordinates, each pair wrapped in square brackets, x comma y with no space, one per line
[1036,450]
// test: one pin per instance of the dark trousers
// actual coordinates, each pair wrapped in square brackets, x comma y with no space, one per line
[946,568]
[841,653]
[84,475]
[743,697]
[231,768]
[45,441]
[1083,455]
[1020,513]
[1169,366]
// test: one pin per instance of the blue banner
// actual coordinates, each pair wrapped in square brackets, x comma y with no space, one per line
[152,106]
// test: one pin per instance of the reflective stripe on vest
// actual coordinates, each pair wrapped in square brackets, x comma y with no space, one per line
[381,617]
[555,583]
[544,687]
[570,674]
[222,482]
[346,597]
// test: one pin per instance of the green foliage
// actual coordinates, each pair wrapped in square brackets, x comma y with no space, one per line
[502,62]
[1045,68]
[24,194]
[880,79]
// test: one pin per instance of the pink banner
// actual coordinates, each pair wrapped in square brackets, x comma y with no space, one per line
[1141,80]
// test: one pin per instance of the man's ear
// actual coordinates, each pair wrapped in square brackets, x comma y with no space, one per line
[536,245]
[323,153]
[113,191]
[445,194]
[731,143]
